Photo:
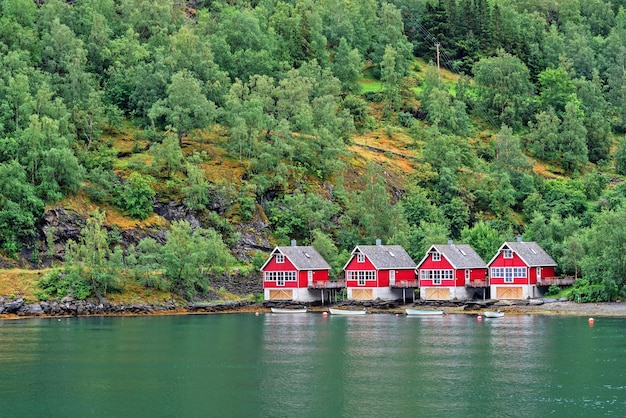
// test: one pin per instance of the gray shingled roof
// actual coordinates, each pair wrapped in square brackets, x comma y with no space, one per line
[304,257]
[461,256]
[386,256]
[532,254]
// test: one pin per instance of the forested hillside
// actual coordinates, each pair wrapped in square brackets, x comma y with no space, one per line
[246,124]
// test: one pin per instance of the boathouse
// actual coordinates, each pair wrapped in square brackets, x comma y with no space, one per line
[379,272]
[297,273]
[516,269]
[451,272]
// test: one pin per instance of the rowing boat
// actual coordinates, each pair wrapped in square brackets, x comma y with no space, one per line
[491,314]
[335,311]
[288,311]
[424,312]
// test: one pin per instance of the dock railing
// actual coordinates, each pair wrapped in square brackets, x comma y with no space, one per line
[327,284]
[559,281]
[405,284]
[477,283]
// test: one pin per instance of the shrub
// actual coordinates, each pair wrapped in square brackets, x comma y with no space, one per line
[553,290]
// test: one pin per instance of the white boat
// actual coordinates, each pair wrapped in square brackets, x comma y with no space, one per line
[492,314]
[288,311]
[424,312]
[335,311]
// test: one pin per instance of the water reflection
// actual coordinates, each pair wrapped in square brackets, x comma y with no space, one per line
[314,366]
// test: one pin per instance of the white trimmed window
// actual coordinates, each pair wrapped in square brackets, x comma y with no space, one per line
[436,257]
[280,258]
[360,258]
[361,276]
[467,274]
[508,273]
[497,272]
[507,253]
[280,277]
[436,275]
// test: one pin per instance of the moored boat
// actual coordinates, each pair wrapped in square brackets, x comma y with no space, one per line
[424,312]
[492,314]
[335,311]
[288,311]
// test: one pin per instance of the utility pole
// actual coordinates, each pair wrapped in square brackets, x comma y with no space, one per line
[437,45]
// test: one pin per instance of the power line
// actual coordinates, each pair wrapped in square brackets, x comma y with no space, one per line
[444,59]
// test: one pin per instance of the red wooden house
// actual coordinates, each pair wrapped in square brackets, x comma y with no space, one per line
[514,270]
[379,272]
[292,273]
[449,272]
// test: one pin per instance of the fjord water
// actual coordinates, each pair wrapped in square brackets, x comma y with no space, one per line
[308,365]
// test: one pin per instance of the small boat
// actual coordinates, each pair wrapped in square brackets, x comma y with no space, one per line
[492,314]
[335,311]
[424,312]
[288,311]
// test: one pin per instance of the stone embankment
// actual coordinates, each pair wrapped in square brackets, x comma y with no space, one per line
[68,306]
[18,308]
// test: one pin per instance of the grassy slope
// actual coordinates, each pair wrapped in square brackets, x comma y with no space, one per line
[393,148]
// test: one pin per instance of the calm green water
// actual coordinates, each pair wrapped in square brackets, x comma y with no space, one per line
[241,365]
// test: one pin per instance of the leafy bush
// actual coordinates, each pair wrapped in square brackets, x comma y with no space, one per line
[58,285]
[553,290]
[374,96]
[405,119]
[137,195]
[583,291]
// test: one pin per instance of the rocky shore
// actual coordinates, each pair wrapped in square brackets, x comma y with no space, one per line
[18,308]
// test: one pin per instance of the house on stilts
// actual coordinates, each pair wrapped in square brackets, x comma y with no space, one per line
[299,274]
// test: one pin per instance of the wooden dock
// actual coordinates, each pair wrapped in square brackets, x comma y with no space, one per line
[559,281]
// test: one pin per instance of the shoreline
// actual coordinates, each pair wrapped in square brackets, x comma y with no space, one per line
[535,307]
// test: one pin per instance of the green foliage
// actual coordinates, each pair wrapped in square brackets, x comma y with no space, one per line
[58,285]
[504,88]
[196,189]
[553,290]
[284,80]
[585,292]
[297,215]
[604,262]
[137,196]
[620,157]
[484,239]
[167,156]
[324,244]
[91,267]
[186,260]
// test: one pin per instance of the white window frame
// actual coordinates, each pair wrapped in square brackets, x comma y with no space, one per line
[467,275]
[436,276]
[508,275]
[507,253]
[360,258]
[280,277]
[436,256]
[280,258]
[497,273]
[361,276]
[538,273]
[519,272]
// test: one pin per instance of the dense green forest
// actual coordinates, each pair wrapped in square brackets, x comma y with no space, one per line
[254,112]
